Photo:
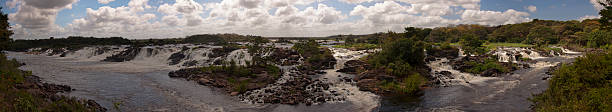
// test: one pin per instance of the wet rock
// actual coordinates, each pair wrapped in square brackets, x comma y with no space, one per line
[234,93]
[126,55]
[353,66]
[176,58]
[491,73]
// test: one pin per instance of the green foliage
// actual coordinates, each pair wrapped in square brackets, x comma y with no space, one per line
[584,86]
[489,63]
[307,48]
[409,85]
[12,99]
[540,36]
[598,38]
[417,33]
[472,45]
[5,33]
[72,43]
[606,14]
[402,50]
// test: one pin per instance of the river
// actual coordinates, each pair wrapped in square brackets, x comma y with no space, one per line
[143,85]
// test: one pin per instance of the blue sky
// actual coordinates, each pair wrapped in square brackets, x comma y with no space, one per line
[308,17]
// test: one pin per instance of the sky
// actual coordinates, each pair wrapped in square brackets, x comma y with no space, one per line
[144,19]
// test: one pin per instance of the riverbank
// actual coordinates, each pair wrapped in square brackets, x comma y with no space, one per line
[22,91]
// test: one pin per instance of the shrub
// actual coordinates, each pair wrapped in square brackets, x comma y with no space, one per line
[583,86]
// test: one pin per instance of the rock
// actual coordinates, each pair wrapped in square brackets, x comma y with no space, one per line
[176,58]
[126,55]
[490,73]
[203,81]
[234,93]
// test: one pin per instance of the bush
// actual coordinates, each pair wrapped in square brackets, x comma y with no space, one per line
[408,85]
[478,68]
[584,86]
[472,45]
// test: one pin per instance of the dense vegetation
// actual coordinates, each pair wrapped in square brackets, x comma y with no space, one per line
[77,42]
[400,57]
[315,58]
[585,85]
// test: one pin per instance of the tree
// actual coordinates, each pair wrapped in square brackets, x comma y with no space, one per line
[542,35]
[5,33]
[606,14]
[598,38]
[472,44]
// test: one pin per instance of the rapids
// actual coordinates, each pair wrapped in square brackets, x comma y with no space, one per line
[142,84]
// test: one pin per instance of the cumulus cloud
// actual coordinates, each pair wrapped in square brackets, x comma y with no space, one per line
[531,8]
[105,1]
[188,9]
[33,14]
[254,17]
[510,16]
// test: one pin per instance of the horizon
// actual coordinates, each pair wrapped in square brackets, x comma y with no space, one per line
[159,19]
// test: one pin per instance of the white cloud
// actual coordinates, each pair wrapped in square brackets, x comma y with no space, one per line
[532,8]
[254,17]
[589,17]
[37,15]
[105,1]
[356,1]
[510,16]
[596,4]
[188,9]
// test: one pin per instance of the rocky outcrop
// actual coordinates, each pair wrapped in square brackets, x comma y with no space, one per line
[33,85]
[285,57]
[123,56]
[298,88]
[353,67]
[323,60]
[467,63]
[227,79]
[448,53]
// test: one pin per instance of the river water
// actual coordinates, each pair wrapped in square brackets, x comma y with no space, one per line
[143,85]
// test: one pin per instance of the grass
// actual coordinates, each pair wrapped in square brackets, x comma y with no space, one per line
[496,45]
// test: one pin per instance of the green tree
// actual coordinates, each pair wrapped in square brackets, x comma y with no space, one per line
[5,33]
[472,44]
[598,38]
[542,35]
[606,14]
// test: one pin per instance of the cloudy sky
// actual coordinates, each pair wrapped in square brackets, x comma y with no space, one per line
[143,19]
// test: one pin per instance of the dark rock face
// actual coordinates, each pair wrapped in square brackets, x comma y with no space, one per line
[176,58]
[227,81]
[300,88]
[218,52]
[449,53]
[353,66]
[285,57]
[126,55]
